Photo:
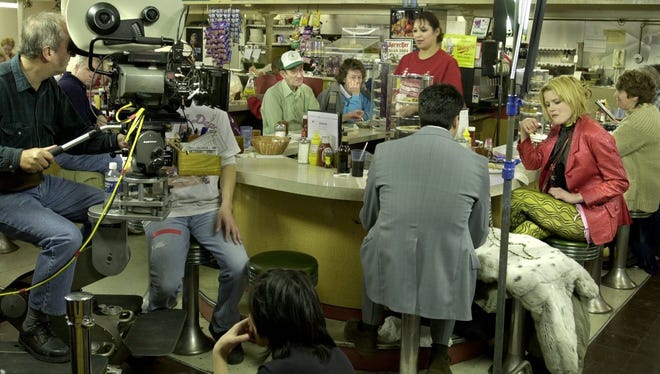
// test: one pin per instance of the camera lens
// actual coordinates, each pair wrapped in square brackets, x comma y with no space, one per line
[103,18]
[150,14]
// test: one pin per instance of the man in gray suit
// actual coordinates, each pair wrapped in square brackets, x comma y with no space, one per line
[426,206]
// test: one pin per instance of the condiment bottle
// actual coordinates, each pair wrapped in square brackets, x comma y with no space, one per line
[468,139]
[343,155]
[280,129]
[314,146]
[325,143]
[328,155]
[303,129]
[303,151]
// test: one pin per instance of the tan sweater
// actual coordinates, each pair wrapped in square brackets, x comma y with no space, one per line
[638,141]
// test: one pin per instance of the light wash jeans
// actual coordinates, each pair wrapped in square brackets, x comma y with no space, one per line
[45,216]
[168,249]
[98,163]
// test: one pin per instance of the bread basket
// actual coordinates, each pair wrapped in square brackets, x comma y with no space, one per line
[270,145]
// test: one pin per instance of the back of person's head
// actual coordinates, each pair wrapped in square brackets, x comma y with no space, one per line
[286,310]
[350,64]
[40,31]
[638,82]
[432,21]
[570,91]
[439,105]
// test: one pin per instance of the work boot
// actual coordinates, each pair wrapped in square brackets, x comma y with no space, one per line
[439,361]
[43,345]
[363,336]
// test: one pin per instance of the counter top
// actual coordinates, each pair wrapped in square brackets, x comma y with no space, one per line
[360,135]
[287,175]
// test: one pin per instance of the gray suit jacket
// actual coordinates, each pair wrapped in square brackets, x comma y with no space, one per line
[426,207]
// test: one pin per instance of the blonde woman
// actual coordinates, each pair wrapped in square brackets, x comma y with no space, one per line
[582,179]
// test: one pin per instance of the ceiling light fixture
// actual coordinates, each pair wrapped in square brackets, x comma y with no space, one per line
[8,5]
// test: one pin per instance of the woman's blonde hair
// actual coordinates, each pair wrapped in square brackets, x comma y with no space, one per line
[570,91]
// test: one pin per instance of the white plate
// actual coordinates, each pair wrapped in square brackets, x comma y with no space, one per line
[494,171]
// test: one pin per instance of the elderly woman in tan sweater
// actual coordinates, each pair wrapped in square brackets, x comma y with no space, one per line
[638,141]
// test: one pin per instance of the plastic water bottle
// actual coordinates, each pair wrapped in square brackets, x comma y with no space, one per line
[111,179]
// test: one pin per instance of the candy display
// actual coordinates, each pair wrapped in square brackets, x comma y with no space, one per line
[224,29]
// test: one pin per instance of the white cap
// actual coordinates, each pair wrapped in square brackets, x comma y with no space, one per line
[290,60]
[112,165]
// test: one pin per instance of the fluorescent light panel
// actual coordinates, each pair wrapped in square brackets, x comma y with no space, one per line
[8,5]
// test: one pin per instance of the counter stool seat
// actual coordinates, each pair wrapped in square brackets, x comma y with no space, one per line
[283,259]
[590,257]
[192,340]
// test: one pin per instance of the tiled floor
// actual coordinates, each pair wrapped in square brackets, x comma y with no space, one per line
[631,341]
[624,341]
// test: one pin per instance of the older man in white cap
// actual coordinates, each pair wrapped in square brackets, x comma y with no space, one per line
[289,99]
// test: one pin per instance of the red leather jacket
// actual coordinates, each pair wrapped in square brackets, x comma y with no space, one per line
[593,169]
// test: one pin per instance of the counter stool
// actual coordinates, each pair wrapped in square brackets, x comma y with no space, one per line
[618,276]
[6,245]
[192,340]
[590,256]
[264,261]
[409,351]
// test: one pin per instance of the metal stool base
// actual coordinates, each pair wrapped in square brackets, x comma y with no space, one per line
[618,278]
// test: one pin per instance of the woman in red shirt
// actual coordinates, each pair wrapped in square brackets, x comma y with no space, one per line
[582,177]
[429,58]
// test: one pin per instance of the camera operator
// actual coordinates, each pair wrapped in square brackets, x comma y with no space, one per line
[35,116]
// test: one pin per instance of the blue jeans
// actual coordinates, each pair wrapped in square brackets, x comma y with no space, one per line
[168,249]
[98,163]
[45,216]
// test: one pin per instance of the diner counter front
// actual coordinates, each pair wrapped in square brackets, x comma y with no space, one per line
[280,204]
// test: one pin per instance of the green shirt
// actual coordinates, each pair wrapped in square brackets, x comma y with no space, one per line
[280,103]
[40,118]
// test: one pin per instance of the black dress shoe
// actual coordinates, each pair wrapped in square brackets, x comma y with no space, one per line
[364,337]
[43,345]
[236,355]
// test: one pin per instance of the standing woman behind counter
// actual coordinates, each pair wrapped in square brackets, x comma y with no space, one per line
[582,177]
[429,57]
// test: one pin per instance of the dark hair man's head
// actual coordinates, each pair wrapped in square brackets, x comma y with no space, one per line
[439,105]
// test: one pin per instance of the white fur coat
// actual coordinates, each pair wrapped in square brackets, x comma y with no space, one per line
[543,279]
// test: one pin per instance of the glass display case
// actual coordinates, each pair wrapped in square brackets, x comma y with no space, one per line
[361,43]
[402,91]
[379,73]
